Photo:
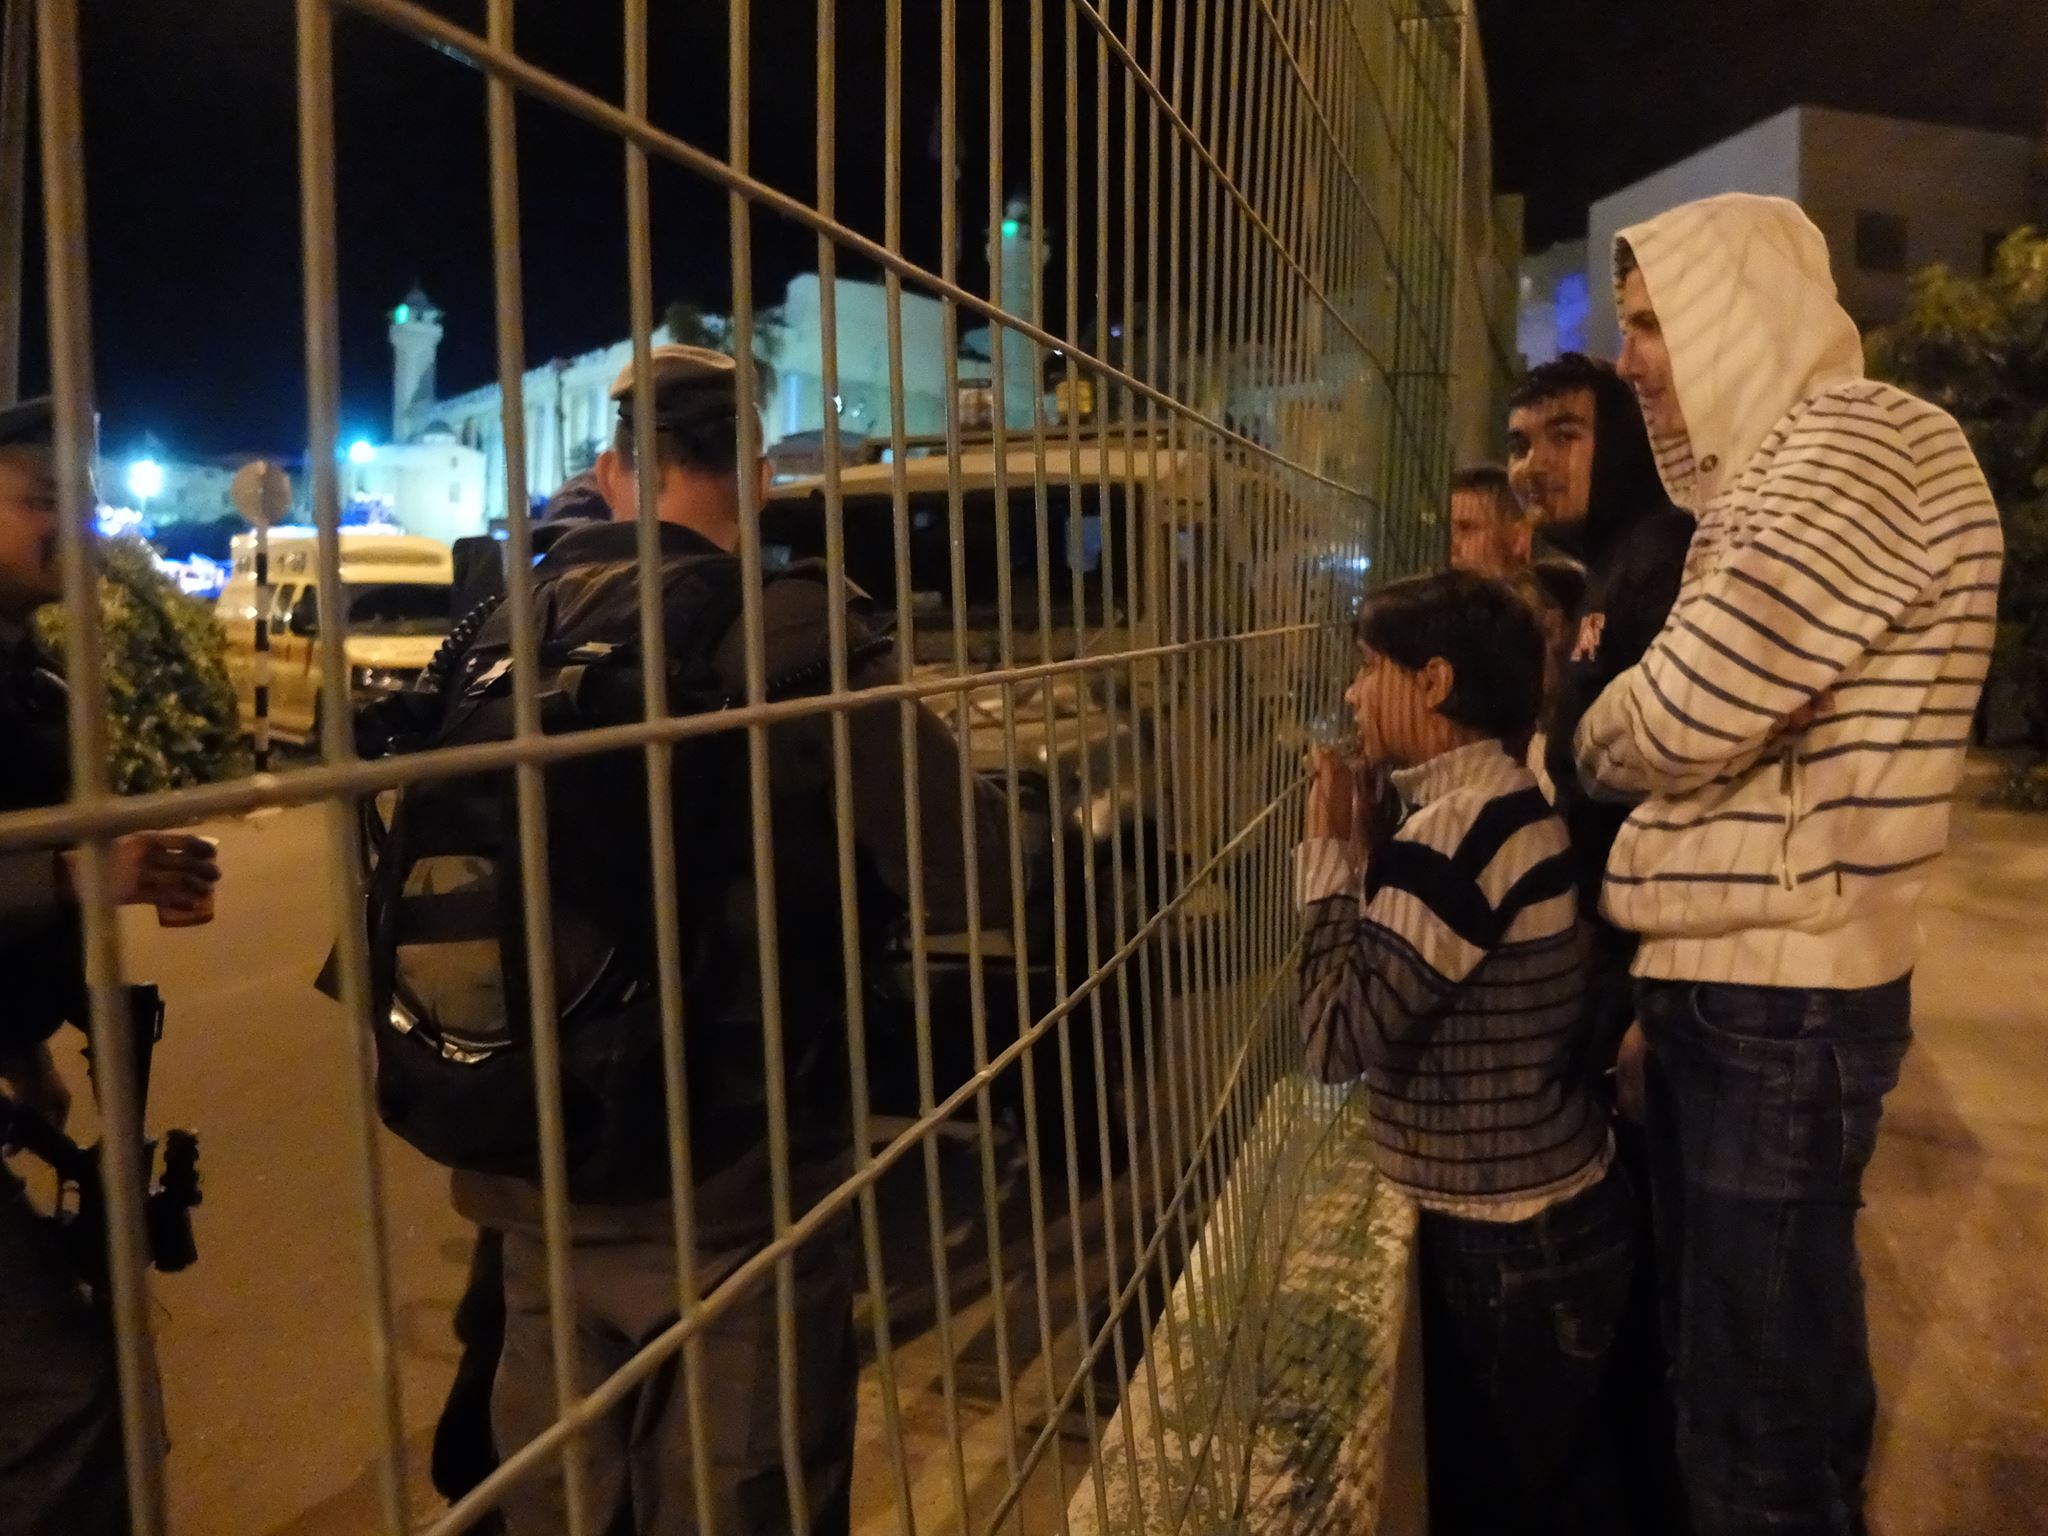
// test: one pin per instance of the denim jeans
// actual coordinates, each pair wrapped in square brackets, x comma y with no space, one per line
[1763,1111]
[1518,1323]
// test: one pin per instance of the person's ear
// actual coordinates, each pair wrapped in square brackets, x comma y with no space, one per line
[1435,682]
[615,484]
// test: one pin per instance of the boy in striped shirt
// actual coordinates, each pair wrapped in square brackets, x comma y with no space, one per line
[1795,735]
[1445,967]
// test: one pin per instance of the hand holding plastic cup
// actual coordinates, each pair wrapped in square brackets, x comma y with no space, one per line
[185,869]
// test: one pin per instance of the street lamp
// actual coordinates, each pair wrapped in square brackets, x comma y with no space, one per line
[361,451]
[146,479]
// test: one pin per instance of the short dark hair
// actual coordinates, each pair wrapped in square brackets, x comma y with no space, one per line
[1624,260]
[1491,480]
[1565,374]
[1482,628]
[696,427]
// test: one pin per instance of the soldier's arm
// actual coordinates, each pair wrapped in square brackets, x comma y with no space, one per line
[875,737]
[33,891]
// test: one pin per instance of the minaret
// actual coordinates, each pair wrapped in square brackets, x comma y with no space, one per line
[1023,254]
[415,337]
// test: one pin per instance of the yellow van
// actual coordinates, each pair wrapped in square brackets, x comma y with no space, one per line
[400,592]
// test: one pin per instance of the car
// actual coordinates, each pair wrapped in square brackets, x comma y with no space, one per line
[399,590]
[1124,515]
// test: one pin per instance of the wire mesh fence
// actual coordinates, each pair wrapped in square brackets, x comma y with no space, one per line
[1176,446]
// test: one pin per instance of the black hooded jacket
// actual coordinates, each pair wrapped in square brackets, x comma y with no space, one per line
[1633,545]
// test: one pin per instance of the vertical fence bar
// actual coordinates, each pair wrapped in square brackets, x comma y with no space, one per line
[956,550]
[70,318]
[842,771]
[660,763]
[1006,621]
[528,775]
[739,128]
[14,81]
[323,404]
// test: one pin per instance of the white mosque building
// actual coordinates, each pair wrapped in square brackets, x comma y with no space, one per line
[569,413]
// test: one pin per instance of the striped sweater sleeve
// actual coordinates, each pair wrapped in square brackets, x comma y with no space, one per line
[1378,964]
[1837,551]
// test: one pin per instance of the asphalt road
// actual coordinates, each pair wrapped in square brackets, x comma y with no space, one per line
[265,1346]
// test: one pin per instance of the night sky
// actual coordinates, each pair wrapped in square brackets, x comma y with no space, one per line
[191,155]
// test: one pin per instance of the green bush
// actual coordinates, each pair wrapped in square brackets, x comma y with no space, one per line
[174,720]
[1978,347]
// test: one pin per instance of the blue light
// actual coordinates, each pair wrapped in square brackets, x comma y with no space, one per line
[361,451]
[402,314]
[1010,229]
[146,478]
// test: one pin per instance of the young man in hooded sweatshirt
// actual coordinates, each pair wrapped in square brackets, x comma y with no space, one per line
[1798,728]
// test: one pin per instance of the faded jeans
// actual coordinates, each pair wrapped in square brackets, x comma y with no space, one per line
[1763,1113]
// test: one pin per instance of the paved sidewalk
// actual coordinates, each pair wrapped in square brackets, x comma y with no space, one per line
[1957,1221]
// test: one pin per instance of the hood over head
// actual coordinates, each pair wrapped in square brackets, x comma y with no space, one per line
[1743,291]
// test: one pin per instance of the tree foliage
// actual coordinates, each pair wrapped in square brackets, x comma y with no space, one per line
[173,709]
[694,326]
[1978,347]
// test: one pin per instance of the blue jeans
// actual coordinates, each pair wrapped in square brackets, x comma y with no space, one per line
[1519,1321]
[1763,1111]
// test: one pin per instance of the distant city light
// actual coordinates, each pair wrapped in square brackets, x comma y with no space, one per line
[1117,332]
[114,522]
[1010,229]
[361,451]
[146,478]
[402,314]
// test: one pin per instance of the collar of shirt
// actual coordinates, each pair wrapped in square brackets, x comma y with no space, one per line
[1475,763]
[621,541]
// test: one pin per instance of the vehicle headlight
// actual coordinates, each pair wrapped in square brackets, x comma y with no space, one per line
[378,679]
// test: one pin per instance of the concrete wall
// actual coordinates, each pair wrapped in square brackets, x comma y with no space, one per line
[569,416]
[799,403]
[1953,186]
[1762,159]
[1485,281]
[434,489]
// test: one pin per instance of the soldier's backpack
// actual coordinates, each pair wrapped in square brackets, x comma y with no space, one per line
[449,964]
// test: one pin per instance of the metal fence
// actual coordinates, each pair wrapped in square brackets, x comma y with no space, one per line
[1276,191]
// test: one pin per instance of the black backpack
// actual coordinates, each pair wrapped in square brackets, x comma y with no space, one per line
[448,953]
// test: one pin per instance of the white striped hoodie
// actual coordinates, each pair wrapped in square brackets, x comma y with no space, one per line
[1848,551]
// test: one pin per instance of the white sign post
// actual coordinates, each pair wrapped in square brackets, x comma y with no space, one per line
[262,493]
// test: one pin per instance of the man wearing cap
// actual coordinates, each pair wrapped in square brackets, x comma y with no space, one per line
[60,1414]
[641,1475]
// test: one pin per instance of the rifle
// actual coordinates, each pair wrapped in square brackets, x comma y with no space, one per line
[80,1215]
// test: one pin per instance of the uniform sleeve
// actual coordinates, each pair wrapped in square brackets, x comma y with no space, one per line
[30,893]
[1377,968]
[1836,553]
[795,620]
[882,824]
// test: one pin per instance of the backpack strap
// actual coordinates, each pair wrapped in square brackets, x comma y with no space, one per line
[796,620]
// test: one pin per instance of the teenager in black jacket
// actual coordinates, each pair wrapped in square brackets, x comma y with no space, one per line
[1579,461]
